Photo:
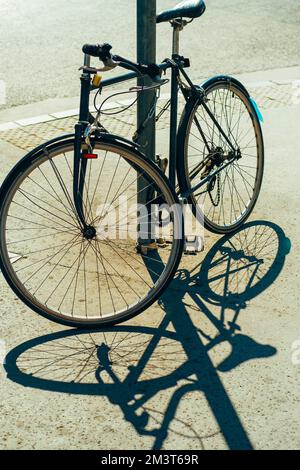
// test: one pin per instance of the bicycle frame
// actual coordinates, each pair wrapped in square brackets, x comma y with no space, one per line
[177,65]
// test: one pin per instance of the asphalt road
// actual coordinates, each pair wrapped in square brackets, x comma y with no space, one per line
[40,42]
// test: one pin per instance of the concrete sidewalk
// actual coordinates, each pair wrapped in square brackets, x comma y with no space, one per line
[28,126]
[208,367]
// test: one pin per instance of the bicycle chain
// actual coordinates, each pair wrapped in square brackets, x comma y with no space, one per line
[216,203]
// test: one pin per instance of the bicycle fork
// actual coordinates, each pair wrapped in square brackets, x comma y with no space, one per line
[80,163]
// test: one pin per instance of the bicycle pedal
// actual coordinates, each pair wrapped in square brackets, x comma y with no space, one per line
[161,242]
[193,245]
[145,249]
[162,163]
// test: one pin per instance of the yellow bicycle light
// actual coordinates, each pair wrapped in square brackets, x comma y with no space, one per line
[97,80]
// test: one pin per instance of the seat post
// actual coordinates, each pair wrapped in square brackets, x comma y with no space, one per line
[176,30]
[177,26]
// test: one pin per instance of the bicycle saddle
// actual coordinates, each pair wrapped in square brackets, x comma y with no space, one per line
[185,9]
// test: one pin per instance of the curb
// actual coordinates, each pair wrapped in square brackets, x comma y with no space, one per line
[7,126]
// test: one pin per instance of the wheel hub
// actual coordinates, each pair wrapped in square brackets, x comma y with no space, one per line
[89,232]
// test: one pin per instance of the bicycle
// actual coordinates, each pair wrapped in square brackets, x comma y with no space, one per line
[56,202]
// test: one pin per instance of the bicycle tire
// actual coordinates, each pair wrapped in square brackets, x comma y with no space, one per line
[215,88]
[12,188]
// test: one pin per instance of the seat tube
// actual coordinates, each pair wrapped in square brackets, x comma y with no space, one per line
[174,108]
[173,127]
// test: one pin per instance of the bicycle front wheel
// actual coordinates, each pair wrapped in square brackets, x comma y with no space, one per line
[60,272]
[228,198]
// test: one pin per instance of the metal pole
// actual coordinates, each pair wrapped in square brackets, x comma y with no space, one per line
[146,54]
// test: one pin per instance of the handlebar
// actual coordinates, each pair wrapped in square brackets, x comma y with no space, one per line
[102,51]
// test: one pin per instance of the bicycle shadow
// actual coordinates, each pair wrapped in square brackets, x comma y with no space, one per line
[132,365]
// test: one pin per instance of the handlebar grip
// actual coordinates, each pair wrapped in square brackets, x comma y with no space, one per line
[102,51]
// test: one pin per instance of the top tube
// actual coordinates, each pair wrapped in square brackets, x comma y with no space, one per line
[127,76]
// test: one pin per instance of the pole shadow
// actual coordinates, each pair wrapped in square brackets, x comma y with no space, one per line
[133,365]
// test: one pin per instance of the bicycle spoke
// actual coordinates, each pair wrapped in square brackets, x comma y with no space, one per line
[60,270]
[234,187]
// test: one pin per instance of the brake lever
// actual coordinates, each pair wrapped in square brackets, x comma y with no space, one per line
[109,65]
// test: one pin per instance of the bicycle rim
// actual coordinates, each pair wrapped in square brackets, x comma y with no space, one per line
[66,277]
[229,198]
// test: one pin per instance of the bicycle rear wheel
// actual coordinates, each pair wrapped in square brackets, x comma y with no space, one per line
[227,199]
[53,267]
